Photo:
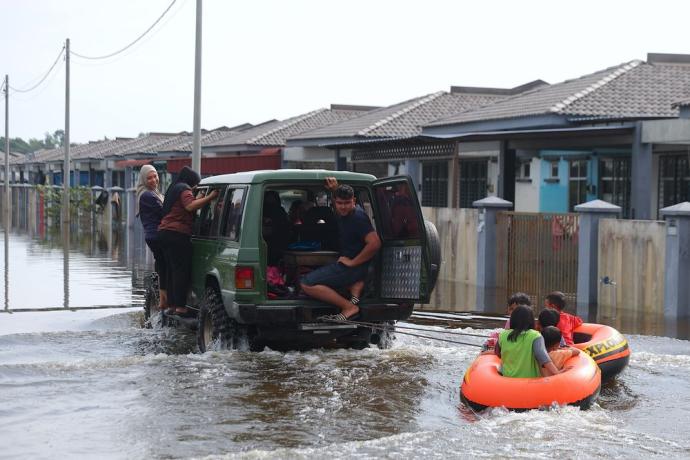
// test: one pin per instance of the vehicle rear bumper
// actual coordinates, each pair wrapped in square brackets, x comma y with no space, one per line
[296,314]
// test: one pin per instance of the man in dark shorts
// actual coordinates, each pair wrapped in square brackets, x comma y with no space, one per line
[359,242]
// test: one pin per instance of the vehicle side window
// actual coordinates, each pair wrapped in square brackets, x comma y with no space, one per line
[210,215]
[233,216]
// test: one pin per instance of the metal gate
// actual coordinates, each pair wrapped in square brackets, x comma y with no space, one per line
[537,254]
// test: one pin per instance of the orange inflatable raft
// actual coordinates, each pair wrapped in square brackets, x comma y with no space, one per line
[484,387]
[605,345]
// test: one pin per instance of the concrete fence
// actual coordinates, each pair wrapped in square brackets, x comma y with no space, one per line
[632,257]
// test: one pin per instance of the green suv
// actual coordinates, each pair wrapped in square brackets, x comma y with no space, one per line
[248,261]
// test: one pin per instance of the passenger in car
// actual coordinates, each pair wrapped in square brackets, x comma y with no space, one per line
[175,232]
[275,226]
[359,243]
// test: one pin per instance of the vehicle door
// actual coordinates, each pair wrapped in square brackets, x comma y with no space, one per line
[404,258]
[205,240]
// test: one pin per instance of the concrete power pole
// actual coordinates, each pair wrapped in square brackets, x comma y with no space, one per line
[65,167]
[6,204]
[196,139]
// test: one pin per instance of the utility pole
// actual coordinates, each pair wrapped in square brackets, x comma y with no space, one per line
[196,139]
[65,167]
[6,204]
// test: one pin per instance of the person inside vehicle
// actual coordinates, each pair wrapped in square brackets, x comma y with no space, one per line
[175,232]
[359,243]
[149,208]
[522,349]
[275,227]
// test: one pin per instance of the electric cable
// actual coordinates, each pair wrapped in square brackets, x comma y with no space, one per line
[26,90]
[115,53]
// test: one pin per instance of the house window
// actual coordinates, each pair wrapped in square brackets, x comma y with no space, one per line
[614,182]
[435,184]
[473,181]
[577,183]
[674,180]
[554,168]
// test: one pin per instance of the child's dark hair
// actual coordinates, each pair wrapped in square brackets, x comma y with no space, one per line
[519,298]
[557,299]
[552,336]
[344,192]
[521,320]
[549,317]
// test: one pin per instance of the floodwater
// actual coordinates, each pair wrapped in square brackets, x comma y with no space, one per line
[95,384]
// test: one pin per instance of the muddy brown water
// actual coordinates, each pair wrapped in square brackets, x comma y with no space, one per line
[95,384]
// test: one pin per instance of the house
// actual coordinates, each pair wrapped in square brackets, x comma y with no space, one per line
[621,134]
[391,135]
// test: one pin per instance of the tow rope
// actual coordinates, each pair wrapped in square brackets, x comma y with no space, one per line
[397,331]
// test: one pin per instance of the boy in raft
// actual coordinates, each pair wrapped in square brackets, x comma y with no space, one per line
[519,298]
[522,349]
[550,317]
[552,341]
[567,322]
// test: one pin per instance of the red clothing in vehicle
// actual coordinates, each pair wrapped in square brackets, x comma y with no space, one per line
[567,324]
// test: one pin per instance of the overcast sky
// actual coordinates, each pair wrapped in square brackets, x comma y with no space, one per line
[265,59]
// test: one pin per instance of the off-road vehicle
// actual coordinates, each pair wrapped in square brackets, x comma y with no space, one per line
[268,228]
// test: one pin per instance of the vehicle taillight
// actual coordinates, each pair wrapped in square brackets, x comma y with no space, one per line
[244,278]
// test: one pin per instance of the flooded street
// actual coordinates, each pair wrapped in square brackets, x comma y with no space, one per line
[95,384]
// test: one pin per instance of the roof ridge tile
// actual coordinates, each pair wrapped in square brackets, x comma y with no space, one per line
[419,102]
[287,124]
[620,70]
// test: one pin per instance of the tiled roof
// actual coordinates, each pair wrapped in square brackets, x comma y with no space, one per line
[276,133]
[635,89]
[403,119]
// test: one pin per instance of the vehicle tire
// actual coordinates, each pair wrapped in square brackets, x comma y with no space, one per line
[151,299]
[434,243]
[386,336]
[214,322]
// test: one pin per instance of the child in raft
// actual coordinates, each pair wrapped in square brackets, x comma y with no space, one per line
[567,322]
[519,298]
[552,341]
[549,317]
[522,349]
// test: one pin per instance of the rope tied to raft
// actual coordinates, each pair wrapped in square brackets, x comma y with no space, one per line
[397,330]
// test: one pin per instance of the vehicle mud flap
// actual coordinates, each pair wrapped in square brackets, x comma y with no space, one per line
[434,243]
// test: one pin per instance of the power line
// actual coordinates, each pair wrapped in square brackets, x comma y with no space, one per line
[106,56]
[26,90]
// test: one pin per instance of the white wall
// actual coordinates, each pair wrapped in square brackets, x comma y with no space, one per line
[527,193]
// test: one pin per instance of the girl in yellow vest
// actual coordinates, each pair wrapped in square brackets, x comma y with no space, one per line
[522,349]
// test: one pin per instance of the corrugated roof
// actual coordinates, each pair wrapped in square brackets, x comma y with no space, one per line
[403,119]
[634,89]
[276,133]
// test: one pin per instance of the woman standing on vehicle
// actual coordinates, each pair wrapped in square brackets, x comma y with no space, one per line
[149,208]
[174,233]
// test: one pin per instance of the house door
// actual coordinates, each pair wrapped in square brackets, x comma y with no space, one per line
[473,180]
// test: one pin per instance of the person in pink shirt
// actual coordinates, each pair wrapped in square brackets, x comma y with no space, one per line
[567,322]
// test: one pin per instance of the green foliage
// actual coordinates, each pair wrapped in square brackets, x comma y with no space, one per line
[79,199]
[50,141]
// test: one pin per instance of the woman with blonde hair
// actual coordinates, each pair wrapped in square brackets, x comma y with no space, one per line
[149,208]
